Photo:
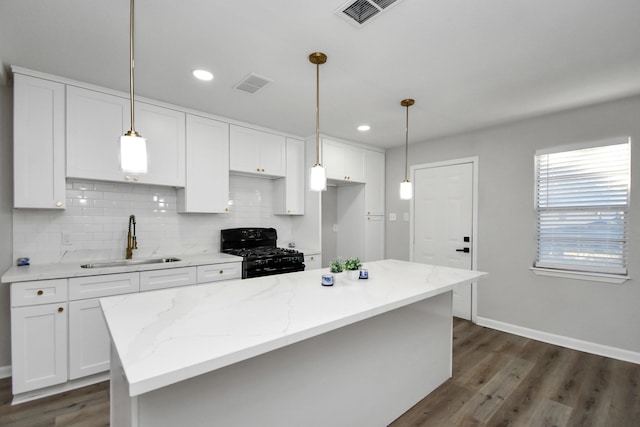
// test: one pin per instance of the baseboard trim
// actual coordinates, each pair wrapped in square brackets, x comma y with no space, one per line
[575,344]
[5,371]
[59,388]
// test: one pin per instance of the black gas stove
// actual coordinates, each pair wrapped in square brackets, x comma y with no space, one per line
[260,255]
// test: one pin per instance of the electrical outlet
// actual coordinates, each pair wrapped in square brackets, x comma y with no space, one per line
[66,238]
[392,216]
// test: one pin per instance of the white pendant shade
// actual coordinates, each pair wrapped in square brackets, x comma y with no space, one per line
[406,190]
[133,154]
[318,178]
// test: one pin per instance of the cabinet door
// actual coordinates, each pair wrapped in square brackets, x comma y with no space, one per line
[343,162]
[332,159]
[353,163]
[164,130]
[207,173]
[273,160]
[289,191]
[89,341]
[256,152]
[95,122]
[374,238]
[374,182]
[38,346]
[39,143]
[244,150]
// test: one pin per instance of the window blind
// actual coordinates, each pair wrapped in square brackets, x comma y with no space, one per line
[582,199]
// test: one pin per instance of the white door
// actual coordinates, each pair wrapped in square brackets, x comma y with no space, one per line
[443,222]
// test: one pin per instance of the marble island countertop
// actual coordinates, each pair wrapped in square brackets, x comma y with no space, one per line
[167,336]
[73,269]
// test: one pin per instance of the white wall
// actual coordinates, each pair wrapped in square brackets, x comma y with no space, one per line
[600,313]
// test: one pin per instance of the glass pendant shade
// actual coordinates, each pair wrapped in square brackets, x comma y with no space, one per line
[406,190]
[318,178]
[133,154]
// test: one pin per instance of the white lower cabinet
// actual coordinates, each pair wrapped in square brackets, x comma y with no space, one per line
[38,346]
[38,334]
[169,278]
[217,272]
[58,332]
[89,342]
[312,261]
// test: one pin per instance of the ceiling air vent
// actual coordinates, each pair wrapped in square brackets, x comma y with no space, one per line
[360,11]
[252,83]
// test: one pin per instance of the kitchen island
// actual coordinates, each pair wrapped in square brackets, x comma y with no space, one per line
[283,350]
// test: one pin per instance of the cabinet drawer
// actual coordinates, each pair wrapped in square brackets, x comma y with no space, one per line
[217,272]
[312,262]
[38,292]
[103,286]
[169,278]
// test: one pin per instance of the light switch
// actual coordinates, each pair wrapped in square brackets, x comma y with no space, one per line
[392,216]
[405,216]
[335,228]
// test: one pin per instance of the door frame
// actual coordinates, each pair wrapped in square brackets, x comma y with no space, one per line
[474,221]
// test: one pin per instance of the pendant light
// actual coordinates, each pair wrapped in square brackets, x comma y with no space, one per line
[133,147]
[318,175]
[406,189]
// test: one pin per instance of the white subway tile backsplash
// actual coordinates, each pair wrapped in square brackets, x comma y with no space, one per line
[97,217]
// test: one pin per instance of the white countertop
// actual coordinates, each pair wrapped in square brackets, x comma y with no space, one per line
[72,269]
[167,336]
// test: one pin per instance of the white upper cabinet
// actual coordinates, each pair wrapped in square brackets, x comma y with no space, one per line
[38,145]
[256,152]
[164,130]
[375,182]
[343,162]
[95,122]
[207,173]
[289,191]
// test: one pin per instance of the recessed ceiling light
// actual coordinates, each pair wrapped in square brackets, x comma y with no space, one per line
[202,75]
[364,128]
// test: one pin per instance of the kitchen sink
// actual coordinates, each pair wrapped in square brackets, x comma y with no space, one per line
[126,262]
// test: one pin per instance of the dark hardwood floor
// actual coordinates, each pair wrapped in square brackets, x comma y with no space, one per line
[498,380]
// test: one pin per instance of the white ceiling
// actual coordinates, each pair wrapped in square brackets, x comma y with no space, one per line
[467,63]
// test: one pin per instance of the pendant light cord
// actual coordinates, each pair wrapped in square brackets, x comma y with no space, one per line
[131,65]
[318,113]
[406,145]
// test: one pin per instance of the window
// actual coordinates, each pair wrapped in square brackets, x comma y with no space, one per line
[582,201]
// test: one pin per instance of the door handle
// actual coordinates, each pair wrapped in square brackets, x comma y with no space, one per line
[465,250]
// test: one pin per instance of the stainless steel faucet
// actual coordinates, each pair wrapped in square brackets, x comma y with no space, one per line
[132,241]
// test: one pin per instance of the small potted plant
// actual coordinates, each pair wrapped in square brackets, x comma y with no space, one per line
[336,266]
[352,265]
